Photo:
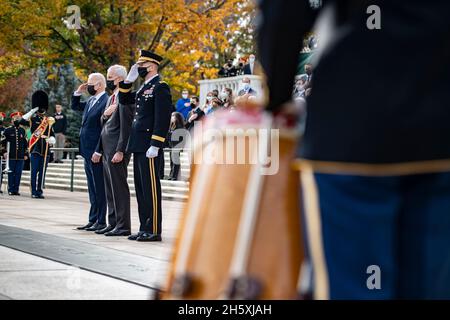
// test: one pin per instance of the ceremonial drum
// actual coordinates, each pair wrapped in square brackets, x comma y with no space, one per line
[240,236]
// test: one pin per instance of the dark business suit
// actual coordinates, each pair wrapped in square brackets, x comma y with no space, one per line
[114,138]
[249,91]
[89,140]
[248,69]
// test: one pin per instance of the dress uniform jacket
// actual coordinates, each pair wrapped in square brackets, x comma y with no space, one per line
[401,113]
[152,114]
[35,121]
[16,136]
[149,128]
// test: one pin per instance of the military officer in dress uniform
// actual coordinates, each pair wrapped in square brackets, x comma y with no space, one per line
[18,146]
[2,150]
[41,138]
[153,102]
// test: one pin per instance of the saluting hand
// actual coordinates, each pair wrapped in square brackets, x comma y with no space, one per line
[133,74]
[82,88]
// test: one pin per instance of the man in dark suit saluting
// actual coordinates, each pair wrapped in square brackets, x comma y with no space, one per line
[90,130]
[116,121]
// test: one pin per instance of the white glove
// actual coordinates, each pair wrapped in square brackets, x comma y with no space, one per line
[51,140]
[29,114]
[152,152]
[133,74]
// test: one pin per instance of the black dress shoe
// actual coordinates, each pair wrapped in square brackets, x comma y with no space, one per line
[90,224]
[104,230]
[149,237]
[34,196]
[118,233]
[96,227]
[134,236]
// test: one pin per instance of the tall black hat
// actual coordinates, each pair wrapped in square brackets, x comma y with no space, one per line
[145,55]
[39,99]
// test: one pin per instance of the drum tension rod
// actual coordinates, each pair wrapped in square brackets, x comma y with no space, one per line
[182,285]
[244,288]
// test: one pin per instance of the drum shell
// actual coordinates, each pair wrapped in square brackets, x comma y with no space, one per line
[276,251]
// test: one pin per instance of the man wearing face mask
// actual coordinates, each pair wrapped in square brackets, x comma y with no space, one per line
[16,137]
[184,104]
[196,113]
[43,136]
[116,127]
[90,131]
[246,88]
[150,126]
[249,68]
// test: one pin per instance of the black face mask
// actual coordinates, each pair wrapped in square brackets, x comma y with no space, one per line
[142,72]
[16,123]
[91,90]
[110,85]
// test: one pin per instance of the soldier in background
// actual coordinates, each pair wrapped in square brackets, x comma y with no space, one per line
[18,145]
[41,139]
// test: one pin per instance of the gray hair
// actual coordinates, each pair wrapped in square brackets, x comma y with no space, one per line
[100,77]
[118,70]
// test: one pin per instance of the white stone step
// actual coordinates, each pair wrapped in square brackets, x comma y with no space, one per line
[167,185]
[79,172]
[83,184]
[66,176]
[51,185]
[176,190]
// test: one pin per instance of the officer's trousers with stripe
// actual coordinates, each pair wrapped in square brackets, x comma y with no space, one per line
[148,191]
[378,237]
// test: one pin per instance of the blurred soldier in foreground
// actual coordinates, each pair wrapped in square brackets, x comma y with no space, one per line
[153,103]
[375,163]
[41,138]
[16,137]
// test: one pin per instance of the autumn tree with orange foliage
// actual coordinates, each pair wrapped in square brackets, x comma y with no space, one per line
[196,37]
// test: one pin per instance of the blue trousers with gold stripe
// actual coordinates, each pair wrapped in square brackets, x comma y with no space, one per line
[394,230]
[148,191]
